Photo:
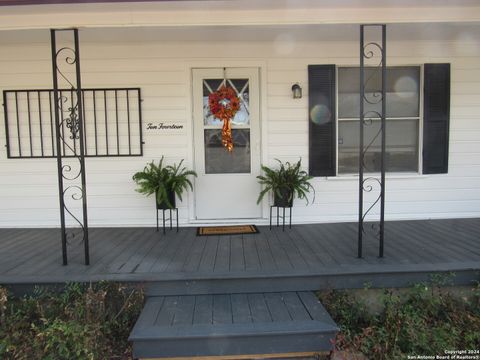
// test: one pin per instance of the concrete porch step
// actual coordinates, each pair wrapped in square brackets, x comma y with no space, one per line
[232,324]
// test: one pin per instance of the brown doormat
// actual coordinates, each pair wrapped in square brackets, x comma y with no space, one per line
[227,230]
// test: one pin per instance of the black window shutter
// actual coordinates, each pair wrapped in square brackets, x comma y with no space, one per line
[321,120]
[436,118]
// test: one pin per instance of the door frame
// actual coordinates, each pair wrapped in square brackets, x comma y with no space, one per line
[215,64]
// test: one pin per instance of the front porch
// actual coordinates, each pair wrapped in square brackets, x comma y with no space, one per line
[307,257]
[243,295]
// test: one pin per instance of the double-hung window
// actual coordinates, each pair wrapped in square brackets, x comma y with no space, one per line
[417,119]
[403,121]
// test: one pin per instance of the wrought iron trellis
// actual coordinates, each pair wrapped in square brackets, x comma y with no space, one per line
[372,51]
[67,109]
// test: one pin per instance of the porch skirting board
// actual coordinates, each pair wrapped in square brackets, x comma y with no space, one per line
[352,278]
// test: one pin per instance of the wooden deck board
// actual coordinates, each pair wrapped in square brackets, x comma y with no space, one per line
[333,237]
[169,252]
[296,258]
[167,311]
[468,233]
[277,307]
[265,256]
[240,309]
[222,309]
[203,309]
[295,307]
[135,245]
[237,256]
[192,261]
[182,253]
[152,256]
[10,238]
[401,251]
[76,258]
[41,259]
[136,259]
[456,241]
[305,249]
[222,258]
[184,311]
[258,308]
[315,308]
[278,252]
[252,261]
[415,230]
[118,246]
[150,311]
[207,263]
[318,250]
[25,251]
[343,237]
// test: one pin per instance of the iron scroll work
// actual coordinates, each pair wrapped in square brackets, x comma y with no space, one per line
[112,123]
[68,114]
[372,109]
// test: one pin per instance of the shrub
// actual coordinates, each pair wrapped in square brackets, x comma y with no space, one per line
[425,321]
[82,322]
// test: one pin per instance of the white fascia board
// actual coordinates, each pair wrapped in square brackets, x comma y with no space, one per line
[218,13]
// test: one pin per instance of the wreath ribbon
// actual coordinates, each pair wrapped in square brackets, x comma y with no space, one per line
[227,140]
[223,105]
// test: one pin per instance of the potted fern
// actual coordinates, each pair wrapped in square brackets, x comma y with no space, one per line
[164,181]
[285,183]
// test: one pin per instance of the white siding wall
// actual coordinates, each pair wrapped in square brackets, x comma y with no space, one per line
[28,188]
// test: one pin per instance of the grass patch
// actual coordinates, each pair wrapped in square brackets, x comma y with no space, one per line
[81,322]
[424,320]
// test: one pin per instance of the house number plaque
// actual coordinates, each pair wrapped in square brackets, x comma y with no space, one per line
[163,126]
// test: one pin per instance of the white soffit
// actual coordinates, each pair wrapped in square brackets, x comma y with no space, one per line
[236,13]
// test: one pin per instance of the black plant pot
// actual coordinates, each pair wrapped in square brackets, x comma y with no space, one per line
[163,205]
[284,200]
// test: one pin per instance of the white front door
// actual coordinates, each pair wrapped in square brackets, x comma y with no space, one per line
[226,187]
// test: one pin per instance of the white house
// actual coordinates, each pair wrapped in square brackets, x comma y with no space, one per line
[176,52]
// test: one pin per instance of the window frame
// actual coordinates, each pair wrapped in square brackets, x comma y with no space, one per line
[420,121]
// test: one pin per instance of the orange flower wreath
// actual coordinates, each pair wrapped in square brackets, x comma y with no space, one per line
[224,104]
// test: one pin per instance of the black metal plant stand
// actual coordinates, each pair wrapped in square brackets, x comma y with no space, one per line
[167,219]
[281,216]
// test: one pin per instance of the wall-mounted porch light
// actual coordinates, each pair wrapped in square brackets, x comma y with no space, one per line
[296,91]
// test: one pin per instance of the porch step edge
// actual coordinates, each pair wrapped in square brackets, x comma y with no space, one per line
[309,282]
[203,331]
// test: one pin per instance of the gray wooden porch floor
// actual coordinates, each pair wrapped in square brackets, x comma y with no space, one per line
[141,254]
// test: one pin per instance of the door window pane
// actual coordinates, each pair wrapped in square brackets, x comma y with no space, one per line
[402,91]
[241,87]
[218,160]
[401,146]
